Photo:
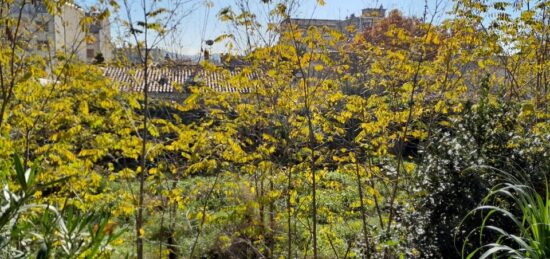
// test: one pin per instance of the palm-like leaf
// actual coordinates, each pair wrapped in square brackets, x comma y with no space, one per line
[532,224]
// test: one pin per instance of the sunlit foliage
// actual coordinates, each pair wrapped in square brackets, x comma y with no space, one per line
[331,146]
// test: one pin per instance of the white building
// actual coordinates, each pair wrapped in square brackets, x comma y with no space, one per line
[47,34]
[101,31]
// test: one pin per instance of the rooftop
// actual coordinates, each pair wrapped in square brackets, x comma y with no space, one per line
[168,79]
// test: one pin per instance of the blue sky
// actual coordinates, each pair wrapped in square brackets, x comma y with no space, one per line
[190,33]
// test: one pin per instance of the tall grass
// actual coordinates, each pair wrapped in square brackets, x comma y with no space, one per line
[516,199]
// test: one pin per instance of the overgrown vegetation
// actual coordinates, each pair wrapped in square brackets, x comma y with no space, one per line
[333,143]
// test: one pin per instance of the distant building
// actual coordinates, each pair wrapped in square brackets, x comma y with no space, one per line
[368,18]
[47,34]
[132,56]
[162,57]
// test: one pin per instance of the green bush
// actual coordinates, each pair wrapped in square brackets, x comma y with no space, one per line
[484,134]
[30,227]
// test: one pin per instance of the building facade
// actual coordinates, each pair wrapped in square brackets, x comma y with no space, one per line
[47,34]
[102,44]
[369,17]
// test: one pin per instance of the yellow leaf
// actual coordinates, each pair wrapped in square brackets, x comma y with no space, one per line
[409,167]
[84,108]
[408,87]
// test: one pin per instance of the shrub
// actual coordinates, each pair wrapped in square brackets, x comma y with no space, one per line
[28,226]
[488,133]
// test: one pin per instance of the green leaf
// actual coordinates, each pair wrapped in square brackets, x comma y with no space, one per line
[20,171]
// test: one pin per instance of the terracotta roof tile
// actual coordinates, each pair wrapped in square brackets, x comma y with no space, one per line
[166,80]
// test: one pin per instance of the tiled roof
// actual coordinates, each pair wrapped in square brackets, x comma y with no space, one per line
[164,80]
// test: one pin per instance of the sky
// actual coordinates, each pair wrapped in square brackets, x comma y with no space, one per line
[202,23]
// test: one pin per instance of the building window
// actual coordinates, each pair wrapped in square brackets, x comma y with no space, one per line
[42,44]
[41,8]
[368,23]
[90,53]
[95,28]
[42,26]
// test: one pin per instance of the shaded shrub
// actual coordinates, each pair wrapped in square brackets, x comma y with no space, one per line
[485,134]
